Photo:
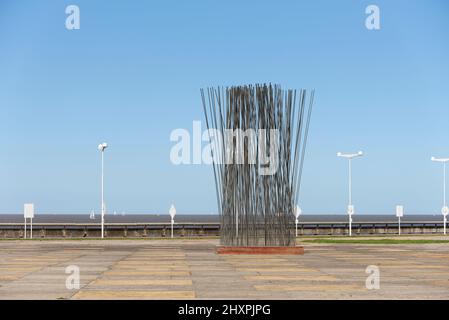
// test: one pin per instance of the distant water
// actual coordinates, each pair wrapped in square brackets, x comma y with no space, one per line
[143,218]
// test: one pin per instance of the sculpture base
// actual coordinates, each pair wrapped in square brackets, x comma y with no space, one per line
[259,250]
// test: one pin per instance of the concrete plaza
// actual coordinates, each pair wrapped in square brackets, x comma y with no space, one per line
[190,269]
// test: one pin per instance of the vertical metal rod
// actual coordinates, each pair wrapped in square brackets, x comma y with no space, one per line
[350,196]
[237,225]
[444,184]
[102,194]
[350,182]
[444,196]
[25,229]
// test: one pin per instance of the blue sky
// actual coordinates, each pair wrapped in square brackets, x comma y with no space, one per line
[132,74]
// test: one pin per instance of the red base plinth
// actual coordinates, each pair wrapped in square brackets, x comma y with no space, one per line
[260,250]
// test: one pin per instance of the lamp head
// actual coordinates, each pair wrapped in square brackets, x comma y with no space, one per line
[102,146]
[349,155]
[443,160]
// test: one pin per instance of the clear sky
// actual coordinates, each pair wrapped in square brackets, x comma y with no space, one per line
[132,74]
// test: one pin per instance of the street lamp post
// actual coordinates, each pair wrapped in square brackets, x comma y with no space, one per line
[350,156]
[172,213]
[445,209]
[102,147]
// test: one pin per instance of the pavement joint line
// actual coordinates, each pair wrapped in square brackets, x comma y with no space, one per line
[292,278]
[309,288]
[276,270]
[25,274]
[143,282]
[136,294]
[148,273]
[88,283]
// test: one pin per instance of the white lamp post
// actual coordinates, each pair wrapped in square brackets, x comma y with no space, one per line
[298,212]
[445,209]
[172,213]
[399,214]
[350,156]
[102,147]
[445,212]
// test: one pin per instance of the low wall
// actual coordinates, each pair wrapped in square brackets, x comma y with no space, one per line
[157,230]
[111,231]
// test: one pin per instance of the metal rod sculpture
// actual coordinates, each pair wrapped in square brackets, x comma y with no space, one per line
[257,186]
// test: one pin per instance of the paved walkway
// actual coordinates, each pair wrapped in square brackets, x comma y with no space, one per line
[187,269]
